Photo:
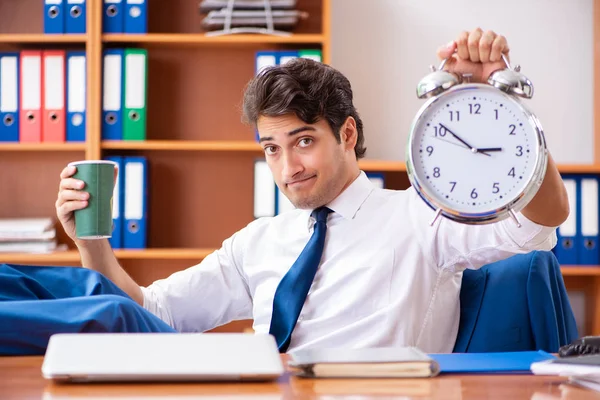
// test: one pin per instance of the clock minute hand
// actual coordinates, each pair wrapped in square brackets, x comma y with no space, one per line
[458,138]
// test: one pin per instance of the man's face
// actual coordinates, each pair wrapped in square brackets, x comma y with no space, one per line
[310,167]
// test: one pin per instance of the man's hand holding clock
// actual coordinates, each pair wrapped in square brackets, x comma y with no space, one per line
[516,174]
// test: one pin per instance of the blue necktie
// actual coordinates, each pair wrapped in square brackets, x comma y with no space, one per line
[293,288]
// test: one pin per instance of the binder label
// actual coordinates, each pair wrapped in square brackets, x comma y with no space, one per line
[76,96]
[569,227]
[589,207]
[112,82]
[135,74]
[8,84]
[134,190]
[54,82]
[32,82]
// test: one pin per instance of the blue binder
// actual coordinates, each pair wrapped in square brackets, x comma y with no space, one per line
[54,20]
[116,240]
[568,233]
[113,16]
[284,56]
[265,190]
[75,16]
[112,98]
[282,203]
[136,16]
[264,59]
[9,97]
[76,96]
[135,202]
[587,250]
[377,178]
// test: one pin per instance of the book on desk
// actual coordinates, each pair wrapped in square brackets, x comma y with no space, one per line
[398,362]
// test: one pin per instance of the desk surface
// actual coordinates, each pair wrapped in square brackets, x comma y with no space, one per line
[20,378]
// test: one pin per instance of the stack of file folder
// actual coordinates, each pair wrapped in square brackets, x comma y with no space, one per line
[118,16]
[271,58]
[125,16]
[124,94]
[43,96]
[130,203]
[27,235]
[578,236]
[64,16]
[280,15]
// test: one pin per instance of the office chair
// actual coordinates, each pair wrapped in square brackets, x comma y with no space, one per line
[517,304]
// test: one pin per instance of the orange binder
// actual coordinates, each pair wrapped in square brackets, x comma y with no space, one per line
[53,95]
[30,87]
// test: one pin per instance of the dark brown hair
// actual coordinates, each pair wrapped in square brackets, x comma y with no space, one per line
[309,89]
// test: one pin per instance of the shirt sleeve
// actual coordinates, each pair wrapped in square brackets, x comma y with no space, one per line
[459,246]
[206,295]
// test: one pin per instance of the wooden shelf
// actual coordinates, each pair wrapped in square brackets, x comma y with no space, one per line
[579,168]
[202,39]
[382,166]
[41,38]
[194,254]
[193,145]
[63,147]
[578,270]
[387,166]
[73,255]
[57,257]
[163,254]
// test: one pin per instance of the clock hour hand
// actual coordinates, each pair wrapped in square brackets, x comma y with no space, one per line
[473,149]
[488,149]
[453,143]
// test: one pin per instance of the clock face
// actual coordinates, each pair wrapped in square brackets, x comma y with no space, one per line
[474,149]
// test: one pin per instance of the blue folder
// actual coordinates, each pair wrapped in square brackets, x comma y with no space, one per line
[510,362]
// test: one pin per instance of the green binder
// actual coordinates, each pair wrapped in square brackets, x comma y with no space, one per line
[135,83]
[312,54]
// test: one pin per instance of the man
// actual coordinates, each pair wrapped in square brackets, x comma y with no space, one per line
[384,277]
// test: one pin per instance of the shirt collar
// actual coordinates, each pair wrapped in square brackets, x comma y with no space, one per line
[350,200]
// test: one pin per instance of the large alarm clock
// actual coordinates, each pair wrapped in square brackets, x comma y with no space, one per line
[476,153]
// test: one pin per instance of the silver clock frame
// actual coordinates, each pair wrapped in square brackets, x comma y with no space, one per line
[512,206]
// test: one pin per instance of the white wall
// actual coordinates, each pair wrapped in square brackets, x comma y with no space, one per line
[386,46]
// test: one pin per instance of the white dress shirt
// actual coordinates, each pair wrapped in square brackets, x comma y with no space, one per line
[386,278]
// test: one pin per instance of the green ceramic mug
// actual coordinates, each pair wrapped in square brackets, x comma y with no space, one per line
[96,220]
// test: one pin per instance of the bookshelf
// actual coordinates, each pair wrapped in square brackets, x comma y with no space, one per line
[201,39]
[200,154]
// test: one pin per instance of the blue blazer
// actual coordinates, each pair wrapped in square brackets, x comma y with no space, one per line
[38,301]
[517,304]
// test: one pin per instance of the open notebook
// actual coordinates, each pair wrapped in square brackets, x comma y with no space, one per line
[381,362]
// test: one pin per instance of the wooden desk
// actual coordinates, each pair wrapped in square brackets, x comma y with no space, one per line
[20,378]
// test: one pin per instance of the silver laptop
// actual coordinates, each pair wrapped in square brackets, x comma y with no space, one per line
[104,357]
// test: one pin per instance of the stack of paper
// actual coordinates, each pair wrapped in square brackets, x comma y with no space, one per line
[581,370]
[211,5]
[248,15]
[27,235]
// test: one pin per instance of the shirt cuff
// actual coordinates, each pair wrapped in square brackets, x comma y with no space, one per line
[531,234]
[151,303]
